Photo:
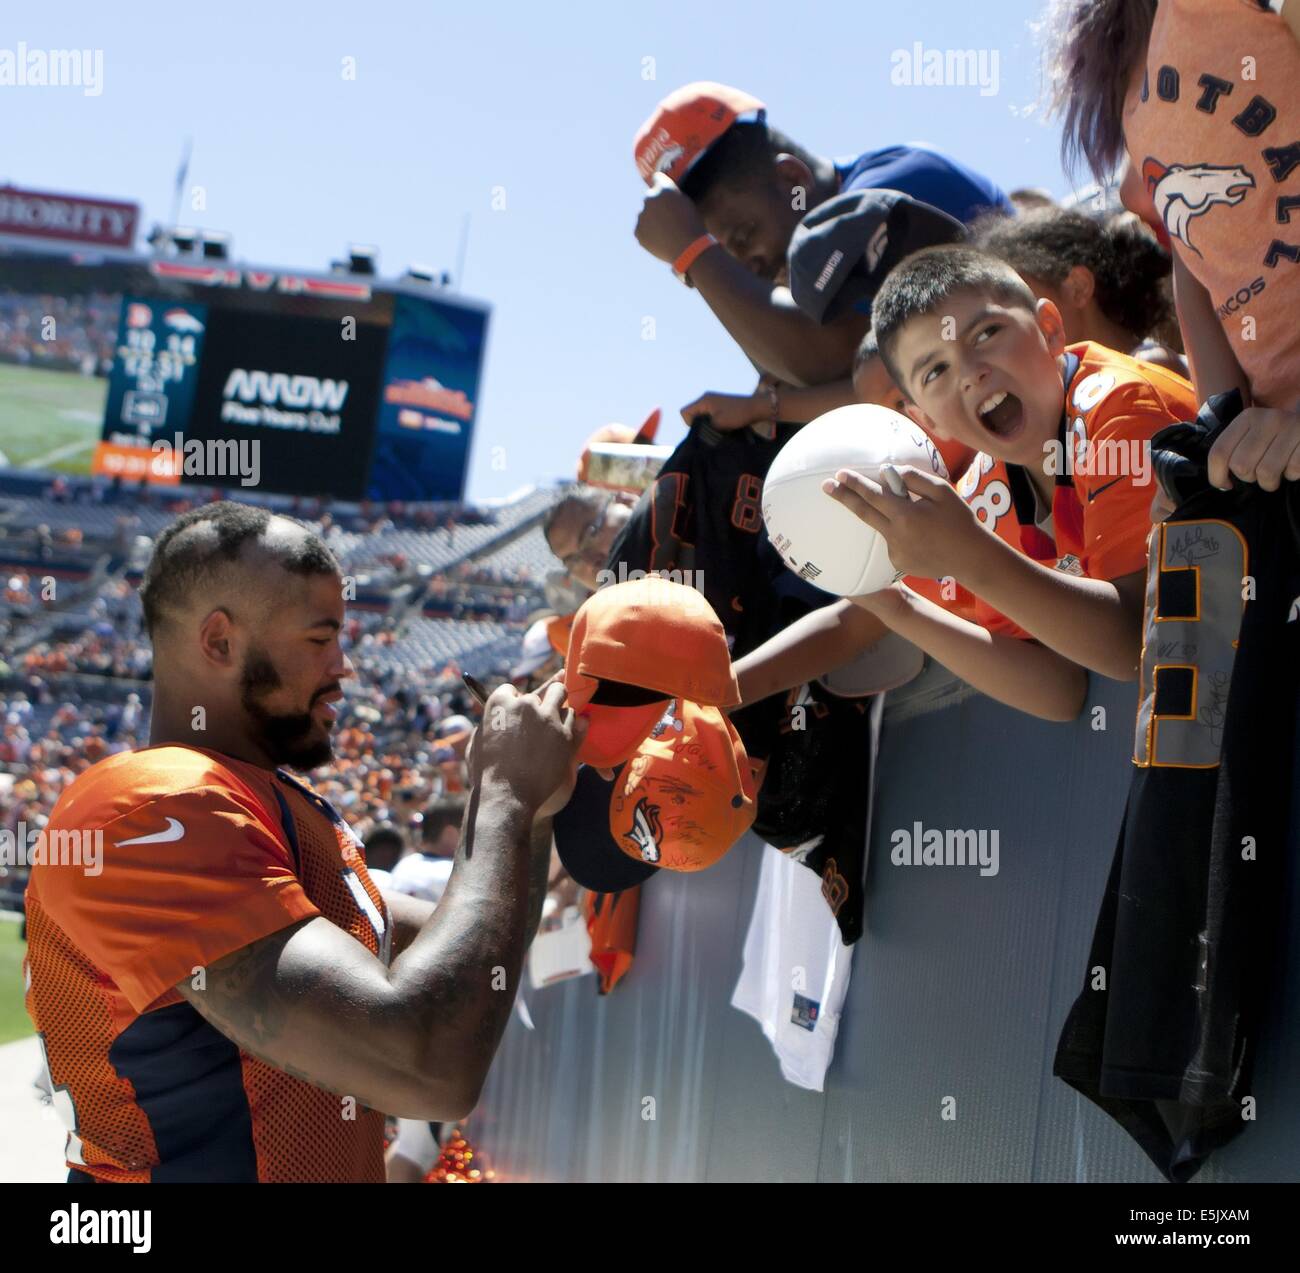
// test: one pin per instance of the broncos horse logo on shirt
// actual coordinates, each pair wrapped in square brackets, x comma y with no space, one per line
[1181,192]
[647,832]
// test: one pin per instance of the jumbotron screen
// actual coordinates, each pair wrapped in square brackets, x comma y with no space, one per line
[168,371]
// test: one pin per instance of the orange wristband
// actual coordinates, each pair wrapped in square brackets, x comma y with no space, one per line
[692,254]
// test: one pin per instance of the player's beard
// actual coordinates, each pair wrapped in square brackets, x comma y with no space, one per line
[284,736]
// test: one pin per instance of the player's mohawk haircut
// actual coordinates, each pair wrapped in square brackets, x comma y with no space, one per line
[198,545]
[923,283]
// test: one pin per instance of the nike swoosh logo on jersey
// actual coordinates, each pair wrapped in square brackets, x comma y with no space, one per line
[1092,495]
[175,829]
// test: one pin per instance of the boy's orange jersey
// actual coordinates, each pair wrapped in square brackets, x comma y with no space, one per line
[200,855]
[1101,511]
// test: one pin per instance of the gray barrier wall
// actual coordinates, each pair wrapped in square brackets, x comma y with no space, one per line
[959,988]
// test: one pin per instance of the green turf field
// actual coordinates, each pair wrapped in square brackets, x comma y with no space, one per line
[50,419]
[14,1021]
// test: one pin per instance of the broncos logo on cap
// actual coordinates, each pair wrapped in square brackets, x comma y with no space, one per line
[1181,192]
[670,156]
[647,832]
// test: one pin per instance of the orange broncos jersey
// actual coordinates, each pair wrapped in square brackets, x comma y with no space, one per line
[1101,512]
[201,855]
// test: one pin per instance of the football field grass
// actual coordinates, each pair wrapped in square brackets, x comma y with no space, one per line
[50,419]
[14,1021]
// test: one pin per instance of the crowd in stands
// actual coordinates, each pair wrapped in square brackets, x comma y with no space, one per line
[393,751]
[400,737]
[81,338]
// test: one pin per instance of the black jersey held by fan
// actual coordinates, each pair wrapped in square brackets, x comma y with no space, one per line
[1184,958]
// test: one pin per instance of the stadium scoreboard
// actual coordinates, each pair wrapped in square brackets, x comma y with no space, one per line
[139,368]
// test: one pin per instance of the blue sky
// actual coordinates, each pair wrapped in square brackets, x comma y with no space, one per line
[450,102]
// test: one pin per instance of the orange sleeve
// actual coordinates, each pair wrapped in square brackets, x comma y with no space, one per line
[155,911]
[1116,500]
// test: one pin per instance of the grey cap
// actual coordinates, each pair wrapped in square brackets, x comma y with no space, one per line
[842,251]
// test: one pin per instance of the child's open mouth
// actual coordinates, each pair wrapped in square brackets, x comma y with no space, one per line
[1001,414]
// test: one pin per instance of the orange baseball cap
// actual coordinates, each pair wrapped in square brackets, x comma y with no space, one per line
[618,433]
[633,646]
[654,633]
[686,123]
[679,804]
[558,628]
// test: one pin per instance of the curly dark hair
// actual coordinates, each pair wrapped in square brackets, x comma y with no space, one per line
[1131,271]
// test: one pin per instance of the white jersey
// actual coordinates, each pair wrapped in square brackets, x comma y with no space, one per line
[419,875]
[796,969]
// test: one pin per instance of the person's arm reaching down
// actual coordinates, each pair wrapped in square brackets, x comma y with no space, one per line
[1209,354]
[1022,674]
[772,330]
[414,1039]
[810,647]
[760,317]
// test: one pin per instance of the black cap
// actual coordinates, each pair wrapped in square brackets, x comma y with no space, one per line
[582,839]
[842,251]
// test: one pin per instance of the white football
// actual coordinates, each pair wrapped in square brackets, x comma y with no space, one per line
[819,539]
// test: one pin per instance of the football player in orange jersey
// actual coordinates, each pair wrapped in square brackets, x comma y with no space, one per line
[230,997]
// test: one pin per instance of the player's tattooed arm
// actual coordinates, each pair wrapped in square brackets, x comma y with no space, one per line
[312,1001]
[242,996]
[415,1038]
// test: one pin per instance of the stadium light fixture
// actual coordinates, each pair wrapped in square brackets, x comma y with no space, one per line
[216,245]
[362,259]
